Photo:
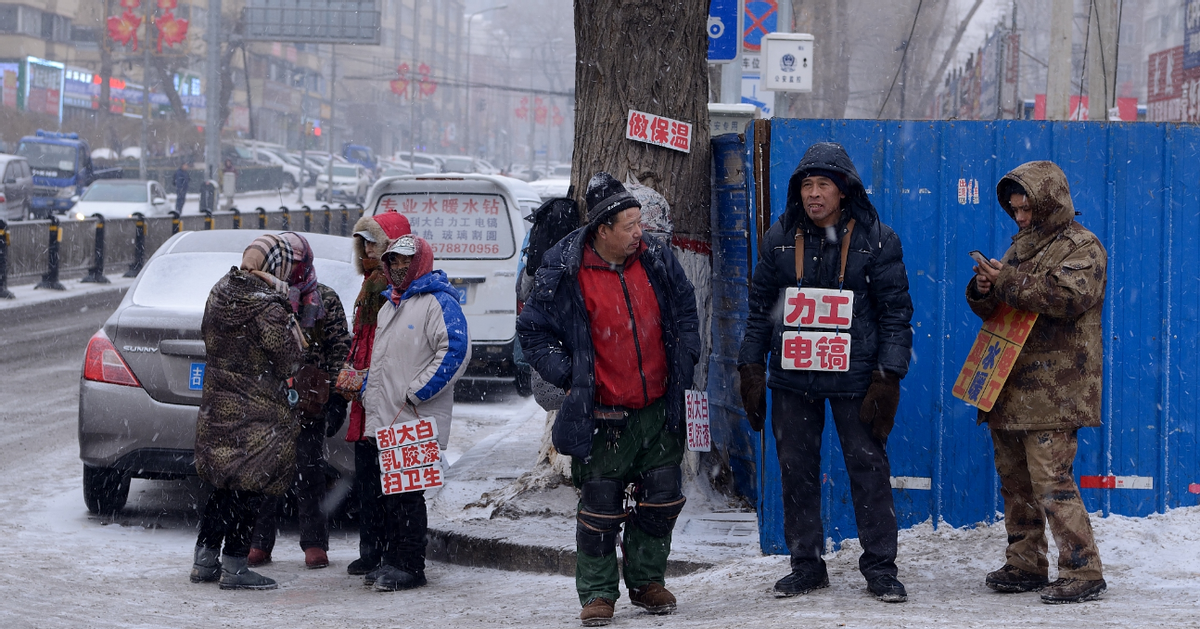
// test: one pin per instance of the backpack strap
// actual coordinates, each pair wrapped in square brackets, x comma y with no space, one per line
[845,253]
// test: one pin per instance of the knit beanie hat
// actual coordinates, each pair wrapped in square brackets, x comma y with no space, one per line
[605,197]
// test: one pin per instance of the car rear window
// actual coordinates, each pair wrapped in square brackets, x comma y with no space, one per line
[182,281]
[115,193]
[458,226]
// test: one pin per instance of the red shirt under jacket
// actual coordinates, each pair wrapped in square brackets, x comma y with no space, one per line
[631,360]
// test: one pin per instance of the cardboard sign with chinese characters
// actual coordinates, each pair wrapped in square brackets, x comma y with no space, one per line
[698,437]
[992,356]
[409,457]
[817,350]
[652,129]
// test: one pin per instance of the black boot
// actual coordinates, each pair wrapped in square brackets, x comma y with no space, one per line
[206,567]
[391,579]
[236,575]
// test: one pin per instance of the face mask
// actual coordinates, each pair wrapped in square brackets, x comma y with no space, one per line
[398,275]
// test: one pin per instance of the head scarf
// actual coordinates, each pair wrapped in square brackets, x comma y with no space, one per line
[288,258]
[421,265]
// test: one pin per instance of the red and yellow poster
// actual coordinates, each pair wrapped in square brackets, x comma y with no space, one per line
[992,356]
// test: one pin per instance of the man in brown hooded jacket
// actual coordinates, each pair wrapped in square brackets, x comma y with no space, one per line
[1058,269]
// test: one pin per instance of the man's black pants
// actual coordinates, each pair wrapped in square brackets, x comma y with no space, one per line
[798,422]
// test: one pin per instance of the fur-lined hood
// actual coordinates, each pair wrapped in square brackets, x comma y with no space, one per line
[384,227]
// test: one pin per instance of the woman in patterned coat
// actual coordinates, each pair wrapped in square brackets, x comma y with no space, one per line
[246,430]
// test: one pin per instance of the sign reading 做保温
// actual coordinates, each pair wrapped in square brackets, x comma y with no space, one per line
[817,350]
[658,130]
[698,437]
[992,356]
[409,457]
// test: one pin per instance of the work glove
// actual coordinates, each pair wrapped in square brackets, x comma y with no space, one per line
[754,394]
[335,414]
[879,407]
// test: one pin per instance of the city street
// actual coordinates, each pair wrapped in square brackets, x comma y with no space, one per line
[67,568]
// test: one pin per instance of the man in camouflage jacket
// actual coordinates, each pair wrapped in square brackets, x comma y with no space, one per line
[1056,268]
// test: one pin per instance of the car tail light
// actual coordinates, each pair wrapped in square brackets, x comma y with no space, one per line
[102,363]
[3,199]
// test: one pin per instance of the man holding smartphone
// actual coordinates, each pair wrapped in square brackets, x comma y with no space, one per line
[1058,269]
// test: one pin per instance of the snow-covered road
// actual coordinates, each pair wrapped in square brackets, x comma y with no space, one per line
[65,568]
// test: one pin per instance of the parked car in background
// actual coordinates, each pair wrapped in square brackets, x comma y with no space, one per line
[420,163]
[291,172]
[362,155]
[119,198]
[551,188]
[143,372]
[466,164]
[350,184]
[560,171]
[395,170]
[525,173]
[475,224]
[16,187]
[62,168]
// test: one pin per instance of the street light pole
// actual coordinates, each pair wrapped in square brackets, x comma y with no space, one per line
[467,110]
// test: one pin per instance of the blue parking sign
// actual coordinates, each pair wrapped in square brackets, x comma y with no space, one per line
[723,32]
[196,377]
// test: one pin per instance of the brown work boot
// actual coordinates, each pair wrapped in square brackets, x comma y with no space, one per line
[653,598]
[315,557]
[258,557]
[597,613]
[1013,579]
[1073,591]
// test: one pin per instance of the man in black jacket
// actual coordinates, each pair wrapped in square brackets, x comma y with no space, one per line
[850,310]
[182,181]
[612,320]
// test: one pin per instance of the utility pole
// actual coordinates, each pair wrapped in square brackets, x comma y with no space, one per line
[1058,74]
[145,93]
[1102,53]
[332,116]
[212,98]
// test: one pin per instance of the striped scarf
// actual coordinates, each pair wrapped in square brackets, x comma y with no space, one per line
[288,257]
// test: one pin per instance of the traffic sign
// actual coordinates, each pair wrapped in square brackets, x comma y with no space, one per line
[723,31]
[762,17]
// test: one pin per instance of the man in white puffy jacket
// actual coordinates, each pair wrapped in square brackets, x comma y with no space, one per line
[421,348]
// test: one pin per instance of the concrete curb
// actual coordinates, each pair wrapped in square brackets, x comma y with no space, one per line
[449,544]
[106,297]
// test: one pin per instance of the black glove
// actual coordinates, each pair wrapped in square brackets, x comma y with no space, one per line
[335,414]
[879,407]
[754,394]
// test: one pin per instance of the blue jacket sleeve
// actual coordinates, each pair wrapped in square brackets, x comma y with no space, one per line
[452,350]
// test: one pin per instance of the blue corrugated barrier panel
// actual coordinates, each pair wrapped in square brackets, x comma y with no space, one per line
[1136,186]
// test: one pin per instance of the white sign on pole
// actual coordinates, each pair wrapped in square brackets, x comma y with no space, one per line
[698,437]
[752,92]
[787,62]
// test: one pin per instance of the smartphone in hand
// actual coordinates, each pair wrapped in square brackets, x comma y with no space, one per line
[981,259]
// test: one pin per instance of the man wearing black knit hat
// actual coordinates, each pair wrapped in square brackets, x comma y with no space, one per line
[612,320]
[830,304]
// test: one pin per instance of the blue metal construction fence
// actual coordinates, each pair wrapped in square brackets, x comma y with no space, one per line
[1137,186]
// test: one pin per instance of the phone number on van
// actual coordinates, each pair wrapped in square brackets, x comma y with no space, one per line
[464,247]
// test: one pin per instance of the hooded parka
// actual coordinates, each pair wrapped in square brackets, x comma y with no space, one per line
[245,431]
[1058,269]
[881,337]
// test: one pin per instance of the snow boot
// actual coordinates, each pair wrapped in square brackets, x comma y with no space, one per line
[258,557]
[236,575]
[392,579]
[597,613]
[362,566]
[1011,579]
[653,598]
[888,589]
[798,583]
[315,557]
[1073,591]
[206,566]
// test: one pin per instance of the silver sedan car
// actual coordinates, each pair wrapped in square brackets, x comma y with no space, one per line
[144,370]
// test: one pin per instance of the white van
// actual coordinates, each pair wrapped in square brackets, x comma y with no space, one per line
[475,224]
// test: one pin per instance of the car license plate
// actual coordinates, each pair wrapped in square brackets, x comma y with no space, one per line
[196,377]
[462,295]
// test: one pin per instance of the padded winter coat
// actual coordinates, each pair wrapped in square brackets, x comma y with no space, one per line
[881,337]
[1059,269]
[555,336]
[421,349]
[245,431]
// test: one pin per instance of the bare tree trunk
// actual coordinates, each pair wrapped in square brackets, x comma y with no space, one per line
[648,55]
[827,20]
[165,70]
[936,80]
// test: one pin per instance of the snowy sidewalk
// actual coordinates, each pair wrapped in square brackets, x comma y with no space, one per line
[491,513]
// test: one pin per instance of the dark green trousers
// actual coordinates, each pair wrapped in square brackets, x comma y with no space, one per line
[643,445]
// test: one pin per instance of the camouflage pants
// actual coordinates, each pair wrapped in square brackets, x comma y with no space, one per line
[1038,485]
